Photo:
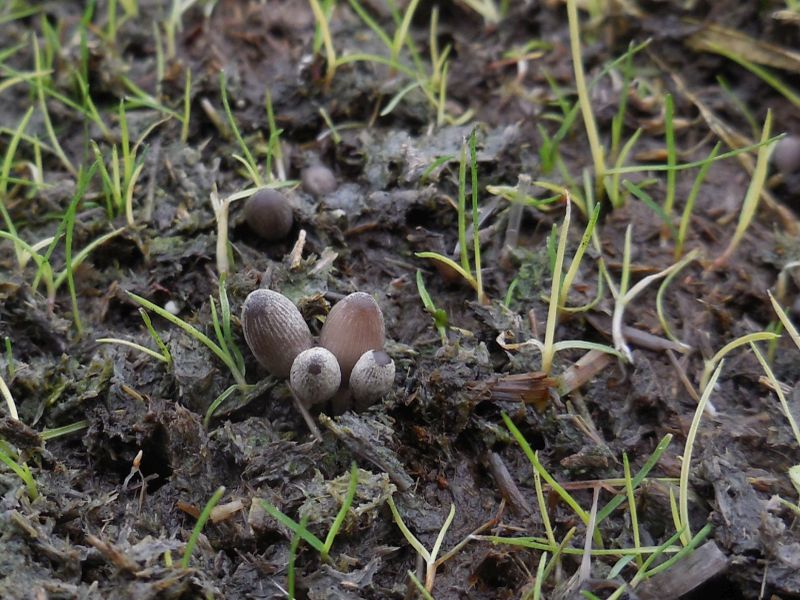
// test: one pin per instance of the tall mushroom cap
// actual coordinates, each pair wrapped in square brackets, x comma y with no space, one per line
[275,330]
[269,214]
[354,325]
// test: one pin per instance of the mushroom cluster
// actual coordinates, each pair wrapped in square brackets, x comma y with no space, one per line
[350,359]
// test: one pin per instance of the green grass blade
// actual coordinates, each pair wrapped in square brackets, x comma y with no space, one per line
[410,538]
[651,462]
[340,516]
[686,464]
[198,527]
[56,432]
[548,353]
[753,195]
[534,460]
[296,527]
[195,333]
[135,346]
[690,200]
[84,177]
[476,242]
[290,569]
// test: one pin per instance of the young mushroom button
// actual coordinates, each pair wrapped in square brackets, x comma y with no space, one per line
[318,180]
[786,155]
[269,214]
[372,378]
[315,376]
[354,325]
[274,330]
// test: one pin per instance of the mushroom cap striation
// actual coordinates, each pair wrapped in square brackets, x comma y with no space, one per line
[269,214]
[315,376]
[372,377]
[274,330]
[354,325]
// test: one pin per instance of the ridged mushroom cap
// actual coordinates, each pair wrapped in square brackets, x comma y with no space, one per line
[318,180]
[372,377]
[354,325]
[274,330]
[269,214]
[315,376]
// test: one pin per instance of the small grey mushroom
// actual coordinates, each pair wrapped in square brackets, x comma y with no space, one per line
[318,180]
[269,214]
[372,377]
[275,330]
[786,156]
[354,325]
[315,376]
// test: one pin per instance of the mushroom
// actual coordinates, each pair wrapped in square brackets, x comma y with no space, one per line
[372,378]
[354,325]
[315,376]
[269,214]
[274,330]
[318,180]
[786,155]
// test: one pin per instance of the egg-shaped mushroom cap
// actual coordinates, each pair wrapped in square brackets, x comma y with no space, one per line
[372,378]
[354,325]
[269,214]
[274,330]
[315,376]
[318,180]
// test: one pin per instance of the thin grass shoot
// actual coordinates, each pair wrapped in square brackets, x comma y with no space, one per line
[198,527]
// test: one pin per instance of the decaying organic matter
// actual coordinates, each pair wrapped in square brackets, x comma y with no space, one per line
[126,164]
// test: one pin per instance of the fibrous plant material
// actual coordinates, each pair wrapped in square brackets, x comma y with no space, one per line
[274,330]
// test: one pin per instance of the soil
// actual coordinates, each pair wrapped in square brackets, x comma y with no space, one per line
[118,499]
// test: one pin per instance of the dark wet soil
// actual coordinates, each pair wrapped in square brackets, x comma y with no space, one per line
[118,499]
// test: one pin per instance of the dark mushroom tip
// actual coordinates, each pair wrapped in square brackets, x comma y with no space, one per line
[269,214]
[315,376]
[372,378]
[274,330]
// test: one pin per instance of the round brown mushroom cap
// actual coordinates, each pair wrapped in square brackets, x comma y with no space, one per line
[315,376]
[269,214]
[354,325]
[318,180]
[372,378]
[274,330]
